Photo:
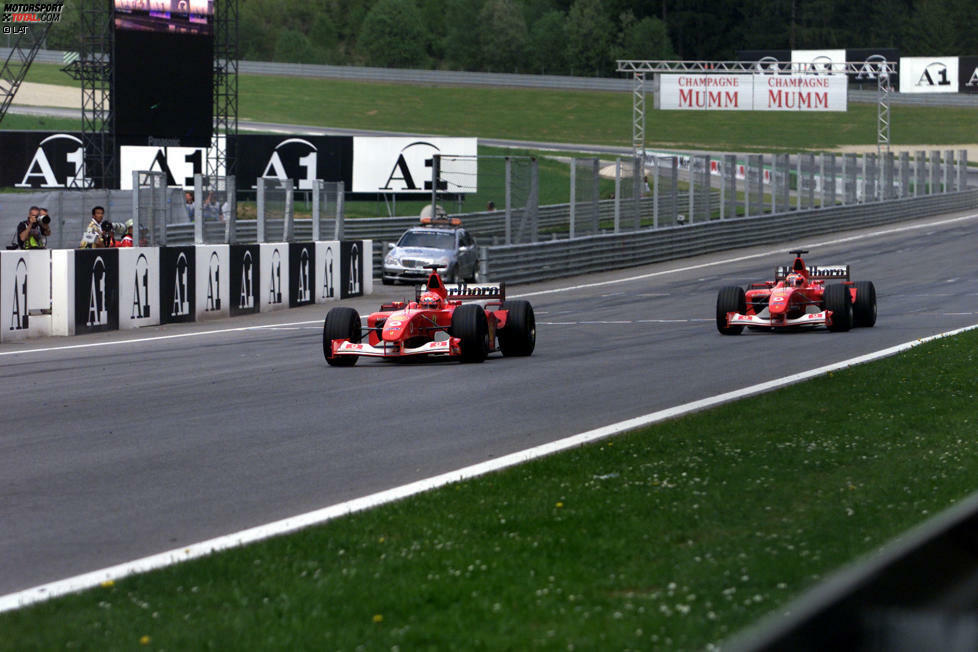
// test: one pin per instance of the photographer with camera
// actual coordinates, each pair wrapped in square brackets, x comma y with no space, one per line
[32,233]
[98,233]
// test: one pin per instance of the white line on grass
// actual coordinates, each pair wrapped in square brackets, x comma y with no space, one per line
[161,560]
[514,296]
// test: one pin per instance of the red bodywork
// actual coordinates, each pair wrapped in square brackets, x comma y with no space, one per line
[402,329]
[794,298]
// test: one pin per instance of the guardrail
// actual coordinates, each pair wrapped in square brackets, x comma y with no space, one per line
[496,79]
[528,263]
[917,593]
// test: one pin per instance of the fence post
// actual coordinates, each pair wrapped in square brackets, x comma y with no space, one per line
[340,210]
[135,208]
[935,161]
[638,189]
[948,163]
[617,194]
[573,195]
[260,214]
[655,193]
[435,174]
[317,188]
[198,209]
[231,214]
[287,226]
[596,196]
[533,202]
[509,202]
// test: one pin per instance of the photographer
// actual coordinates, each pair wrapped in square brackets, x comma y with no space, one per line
[32,233]
[98,233]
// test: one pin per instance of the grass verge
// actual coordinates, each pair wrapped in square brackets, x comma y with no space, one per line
[673,537]
[602,118]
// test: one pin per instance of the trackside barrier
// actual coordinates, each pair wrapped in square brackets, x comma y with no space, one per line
[528,263]
[74,291]
[917,593]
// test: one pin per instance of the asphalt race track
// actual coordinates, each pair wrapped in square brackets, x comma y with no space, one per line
[142,442]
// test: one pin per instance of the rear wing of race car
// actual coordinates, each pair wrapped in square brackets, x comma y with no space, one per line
[469,291]
[816,272]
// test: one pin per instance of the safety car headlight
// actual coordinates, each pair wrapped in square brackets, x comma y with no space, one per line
[391,260]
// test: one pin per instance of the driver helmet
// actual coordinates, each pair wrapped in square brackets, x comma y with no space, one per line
[430,300]
[794,280]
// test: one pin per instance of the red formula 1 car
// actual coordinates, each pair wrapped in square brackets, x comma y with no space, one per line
[458,321]
[798,296]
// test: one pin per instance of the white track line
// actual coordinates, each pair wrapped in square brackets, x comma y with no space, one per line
[725,261]
[161,560]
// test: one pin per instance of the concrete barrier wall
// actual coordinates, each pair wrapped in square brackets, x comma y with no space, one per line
[73,291]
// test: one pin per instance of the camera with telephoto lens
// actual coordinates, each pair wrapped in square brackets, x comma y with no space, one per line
[107,227]
[45,219]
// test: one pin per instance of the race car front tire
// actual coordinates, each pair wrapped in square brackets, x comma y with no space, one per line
[864,308]
[839,301]
[519,336]
[341,324]
[469,324]
[730,299]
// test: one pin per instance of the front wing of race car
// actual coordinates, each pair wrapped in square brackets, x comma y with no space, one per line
[450,347]
[823,318]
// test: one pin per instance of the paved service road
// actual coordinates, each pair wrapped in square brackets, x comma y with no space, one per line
[113,452]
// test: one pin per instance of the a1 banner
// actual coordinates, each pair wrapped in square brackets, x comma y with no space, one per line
[25,281]
[929,74]
[872,64]
[212,281]
[244,272]
[96,290]
[968,74]
[327,271]
[767,61]
[274,276]
[302,274]
[139,287]
[351,268]
[177,284]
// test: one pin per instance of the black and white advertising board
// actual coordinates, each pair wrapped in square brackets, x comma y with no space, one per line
[177,284]
[929,74]
[96,290]
[42,159]
[302,274]
[139,287]
[872,64]
[25,278]
[213,289]
[300,158]
[968,74]
[327,271]
[274,275]
[403,164]
[245,263]
[179,164]
[351,268]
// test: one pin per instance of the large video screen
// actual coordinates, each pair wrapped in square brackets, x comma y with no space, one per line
[163,67]
[168,16]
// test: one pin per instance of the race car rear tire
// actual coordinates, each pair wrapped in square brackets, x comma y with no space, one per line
[864,308]
[730,299]
[469,324]
[839,301]
[519,336]
[341,323]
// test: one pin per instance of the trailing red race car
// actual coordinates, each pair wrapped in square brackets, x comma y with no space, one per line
[461,321]
[798,296]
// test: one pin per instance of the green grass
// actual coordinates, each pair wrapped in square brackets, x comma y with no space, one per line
[38,123]
[602,118]
[672,537]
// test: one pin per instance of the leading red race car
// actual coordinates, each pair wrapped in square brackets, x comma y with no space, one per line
[458,321]
[798,296]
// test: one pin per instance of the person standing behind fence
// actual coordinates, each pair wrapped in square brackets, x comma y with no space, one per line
[32,233]
[94,236]
[188,203]
[126,240]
